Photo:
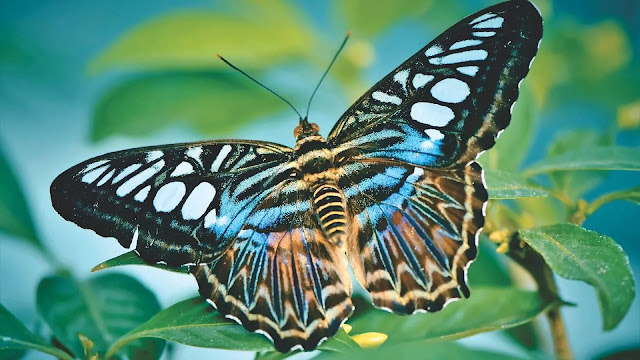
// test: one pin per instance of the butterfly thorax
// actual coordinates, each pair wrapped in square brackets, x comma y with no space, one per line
[316,164]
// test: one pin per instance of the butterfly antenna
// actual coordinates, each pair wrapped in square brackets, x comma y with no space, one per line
[327,71]
[259,83]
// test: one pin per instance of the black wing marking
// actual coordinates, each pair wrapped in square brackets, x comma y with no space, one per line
[182,203]
[449,101]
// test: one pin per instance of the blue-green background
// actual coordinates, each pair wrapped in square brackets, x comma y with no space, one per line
[48,98]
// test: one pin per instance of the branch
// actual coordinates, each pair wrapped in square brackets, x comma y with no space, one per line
[533,262]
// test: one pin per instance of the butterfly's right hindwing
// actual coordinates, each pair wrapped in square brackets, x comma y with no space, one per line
[182,204]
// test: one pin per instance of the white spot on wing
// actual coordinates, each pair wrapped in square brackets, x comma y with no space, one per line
[420,80]
[154,155]
[134,239]
[450,90]
[415,176]
[139,178]
[224,152]
[106,177]
[464,56]
[434,134]
[464,44]
[169,196]
[434,50]
[468,70]
[231,317]
[210,219]
[401,77]
[384,97]
[125,172]
[482,17]
[194,153]
[492,23]
[431,114]
[184,168]
[265,334]
[483,33]
[198,201]
[95,165]
[92,175]
[212,303]
[142,194]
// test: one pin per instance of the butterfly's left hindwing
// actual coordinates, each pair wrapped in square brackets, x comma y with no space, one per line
[449,101]
[282,276]
[182,204]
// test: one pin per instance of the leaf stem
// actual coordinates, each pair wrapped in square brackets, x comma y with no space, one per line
[542,274]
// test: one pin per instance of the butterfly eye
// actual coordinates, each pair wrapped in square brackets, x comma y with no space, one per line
[298,131]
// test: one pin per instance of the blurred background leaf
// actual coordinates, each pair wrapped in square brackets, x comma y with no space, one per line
[204,101]
[15,217]
[596,158]
[102,308]
[15,339]
[379,15]
[504,185]
[575,183]
[256,36]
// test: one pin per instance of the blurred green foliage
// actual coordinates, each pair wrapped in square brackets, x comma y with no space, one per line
[169,76]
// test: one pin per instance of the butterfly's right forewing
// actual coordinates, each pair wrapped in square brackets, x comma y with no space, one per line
[180,204]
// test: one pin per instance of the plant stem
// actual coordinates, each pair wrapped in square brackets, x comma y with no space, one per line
[533,262]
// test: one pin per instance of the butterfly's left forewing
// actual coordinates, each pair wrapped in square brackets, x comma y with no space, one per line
[181,204]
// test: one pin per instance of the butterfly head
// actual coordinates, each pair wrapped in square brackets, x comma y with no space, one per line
[305,129]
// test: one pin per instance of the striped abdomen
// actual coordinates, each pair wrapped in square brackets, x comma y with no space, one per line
[329,205]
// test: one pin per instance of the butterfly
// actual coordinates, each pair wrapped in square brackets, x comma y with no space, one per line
[394,190]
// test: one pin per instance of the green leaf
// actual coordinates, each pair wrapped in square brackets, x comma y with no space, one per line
[15,338]
[102,308]
[576,183]
[194,322]
[504,185]
[132,258]
[257,35]
[418,350]
[579,254]
[632,195]
[597,158]
[211,103]
[509,307]
[15,217]
[514,143]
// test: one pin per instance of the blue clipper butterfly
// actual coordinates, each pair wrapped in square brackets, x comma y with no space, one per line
[267,230]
